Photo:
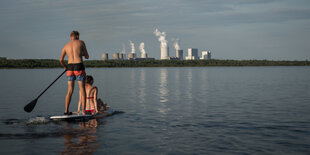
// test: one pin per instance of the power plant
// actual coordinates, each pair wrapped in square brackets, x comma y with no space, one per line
[122,56]
[205,55]
[116,56]
[132,55]
[179,54]
[164,53]
[164,49]
[192,53]
[105,56]
[178,51]
[142,50]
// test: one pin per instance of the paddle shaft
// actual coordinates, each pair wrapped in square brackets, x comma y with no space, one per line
[52,84]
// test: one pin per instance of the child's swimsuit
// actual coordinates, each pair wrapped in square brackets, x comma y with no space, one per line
[76,71]
[90,111]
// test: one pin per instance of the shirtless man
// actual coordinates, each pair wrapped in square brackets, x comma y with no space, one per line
[75,49]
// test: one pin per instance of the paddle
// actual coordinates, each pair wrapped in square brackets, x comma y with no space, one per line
[29,107]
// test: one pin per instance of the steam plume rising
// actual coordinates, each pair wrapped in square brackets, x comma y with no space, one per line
[164,50]
[141,47]
[132,45]
[161,37]
[176,43]
[123,50]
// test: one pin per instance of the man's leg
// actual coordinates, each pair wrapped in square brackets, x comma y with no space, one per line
[80,102]
[69,95]
[82,95]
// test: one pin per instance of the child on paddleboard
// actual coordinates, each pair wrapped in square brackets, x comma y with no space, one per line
[93,105]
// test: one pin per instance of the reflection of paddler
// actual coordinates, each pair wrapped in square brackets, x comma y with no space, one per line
[93,105]
[83,140]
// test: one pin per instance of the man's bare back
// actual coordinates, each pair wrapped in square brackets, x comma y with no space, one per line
[75,49]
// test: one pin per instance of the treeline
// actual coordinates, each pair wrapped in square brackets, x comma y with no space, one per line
[51,63]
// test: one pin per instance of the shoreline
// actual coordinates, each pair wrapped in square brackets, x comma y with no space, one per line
[53,63]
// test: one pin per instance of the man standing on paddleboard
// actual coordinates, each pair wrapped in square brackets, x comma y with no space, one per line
[75,49]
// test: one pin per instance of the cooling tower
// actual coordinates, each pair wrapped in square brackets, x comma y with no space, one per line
[131,56]
[143,55]
[164,52]
[105,56]
[116,56]
[122,56]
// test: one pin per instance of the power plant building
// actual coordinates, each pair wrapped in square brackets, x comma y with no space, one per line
[116,56]
[143,55]
[105,56]
[122,56]
[192,54]
[205,55]
[132,56]
[179,54]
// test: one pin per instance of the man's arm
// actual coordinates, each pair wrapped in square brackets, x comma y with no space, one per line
[85,53]
[61,59]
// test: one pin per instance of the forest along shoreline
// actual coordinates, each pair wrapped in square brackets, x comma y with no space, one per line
[53,63]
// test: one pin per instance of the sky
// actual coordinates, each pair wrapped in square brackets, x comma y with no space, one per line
[230,29]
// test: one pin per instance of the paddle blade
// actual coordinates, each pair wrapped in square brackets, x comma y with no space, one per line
[29,107]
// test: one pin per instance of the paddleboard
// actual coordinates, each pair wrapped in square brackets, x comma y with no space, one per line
[73,117]
[79,117]
[105,113]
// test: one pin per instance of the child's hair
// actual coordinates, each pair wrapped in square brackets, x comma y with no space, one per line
[89,79]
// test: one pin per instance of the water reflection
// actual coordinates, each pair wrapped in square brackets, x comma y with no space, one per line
[163,92]
[132,86]
[189,93]
[82,140]
[177,85]
[142,93]
[204,86]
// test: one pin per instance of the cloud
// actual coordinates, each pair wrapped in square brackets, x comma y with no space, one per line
[270,16]
[106,24]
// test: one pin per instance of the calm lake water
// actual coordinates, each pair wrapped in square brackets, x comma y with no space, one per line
[203,110]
